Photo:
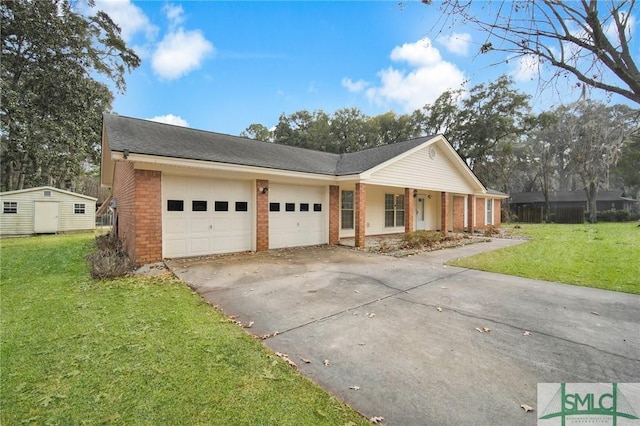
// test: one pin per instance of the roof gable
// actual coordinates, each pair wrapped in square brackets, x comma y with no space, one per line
[47,188]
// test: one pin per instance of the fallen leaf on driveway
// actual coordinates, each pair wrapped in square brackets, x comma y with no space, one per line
[370,314]
[483,329]
[326,362]
[248,325]
[286,359]
[354,387]
[306,361]
[526,333]
[526,408]
[439,309]
[595,313]
[376,420]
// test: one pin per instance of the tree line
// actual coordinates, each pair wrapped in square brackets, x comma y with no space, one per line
[586,145]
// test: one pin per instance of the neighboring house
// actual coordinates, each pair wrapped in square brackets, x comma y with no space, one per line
[182,192]
[605,200]
[45,210]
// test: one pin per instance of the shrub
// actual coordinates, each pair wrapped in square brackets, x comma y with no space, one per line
[420,239]
[490,231]
[617,216]
[110,260]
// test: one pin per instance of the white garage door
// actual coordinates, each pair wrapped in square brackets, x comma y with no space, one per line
[205,216]
[297,216]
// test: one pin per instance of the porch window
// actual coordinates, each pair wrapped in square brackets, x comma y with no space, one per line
[346,206]
[489,216]
[393,210]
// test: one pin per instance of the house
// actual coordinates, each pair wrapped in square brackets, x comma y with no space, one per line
[45,210]
[181,192]
[605,200]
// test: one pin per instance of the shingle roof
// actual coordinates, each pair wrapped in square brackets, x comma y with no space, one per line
[151,138]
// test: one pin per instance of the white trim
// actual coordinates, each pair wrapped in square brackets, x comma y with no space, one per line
[48,188]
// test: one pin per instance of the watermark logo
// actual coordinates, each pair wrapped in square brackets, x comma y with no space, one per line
[616,404]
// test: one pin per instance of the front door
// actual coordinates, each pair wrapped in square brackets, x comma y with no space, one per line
[419,219]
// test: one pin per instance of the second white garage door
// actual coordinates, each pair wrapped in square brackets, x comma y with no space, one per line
[297,216]
[205,216]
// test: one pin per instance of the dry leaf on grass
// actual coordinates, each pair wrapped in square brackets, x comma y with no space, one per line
[286,359]
[376,420]
[526,408]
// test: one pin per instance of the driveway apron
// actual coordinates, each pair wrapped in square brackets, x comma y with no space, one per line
[418,342]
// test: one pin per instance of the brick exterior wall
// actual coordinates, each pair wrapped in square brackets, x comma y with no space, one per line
[262,216]
[360,203]
[444,213]
[139,212]
[409,202]
[148,216]
[471,211]
[334,214]
[481,210]
[458,213]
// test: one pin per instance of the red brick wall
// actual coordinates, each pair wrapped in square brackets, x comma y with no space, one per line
[458,213]
[409,202]
[148,216]
[444,213]
[360,203]
[334,214]
[262,216]
[481,211]
[124,192]
[471,211]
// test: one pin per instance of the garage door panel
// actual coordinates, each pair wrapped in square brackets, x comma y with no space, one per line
[206,230]
[301,226]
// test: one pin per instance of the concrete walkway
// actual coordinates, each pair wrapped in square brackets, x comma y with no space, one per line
[405,331]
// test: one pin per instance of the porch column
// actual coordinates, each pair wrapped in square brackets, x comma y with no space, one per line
[471,203]
[444,213]
[458,213]
[334,214]
[409,203]
[360,201]
[262,215]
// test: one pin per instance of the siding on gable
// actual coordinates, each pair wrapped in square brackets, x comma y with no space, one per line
[419,170]
[21,223]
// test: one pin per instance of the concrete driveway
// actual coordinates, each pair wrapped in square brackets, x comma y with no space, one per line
[405,330]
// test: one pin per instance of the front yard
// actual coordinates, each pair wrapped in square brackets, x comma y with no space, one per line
[603,255]
[134,351]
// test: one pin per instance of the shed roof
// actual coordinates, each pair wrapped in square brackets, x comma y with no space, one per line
[48,188]
[566,197]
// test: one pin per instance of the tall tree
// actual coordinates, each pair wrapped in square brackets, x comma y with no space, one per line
[628,168]
[588,39]
[52,60]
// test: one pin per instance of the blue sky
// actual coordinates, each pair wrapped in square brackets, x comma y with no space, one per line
[221,66]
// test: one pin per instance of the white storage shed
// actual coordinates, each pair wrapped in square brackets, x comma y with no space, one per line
[45,210]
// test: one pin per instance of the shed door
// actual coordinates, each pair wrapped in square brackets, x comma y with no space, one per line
[205,216]
[297,216]
[45,219]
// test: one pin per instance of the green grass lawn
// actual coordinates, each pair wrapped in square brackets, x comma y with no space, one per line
[603,255]
[133,351]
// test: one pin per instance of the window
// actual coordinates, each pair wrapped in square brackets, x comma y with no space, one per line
[10,207]
[290,207]
[274,207]
[175,205]
[317,207]
[304,207]
[242,206]
[393,210]
[489,216]
[198,206]
[346,206]
[221,206]
[78,208]
[46,193]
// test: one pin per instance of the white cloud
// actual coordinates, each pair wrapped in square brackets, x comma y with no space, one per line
[428,78]
[129,17]
[354,86]
[457,43]
[179,53]
[176,120]
[526,68]
[175,14]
